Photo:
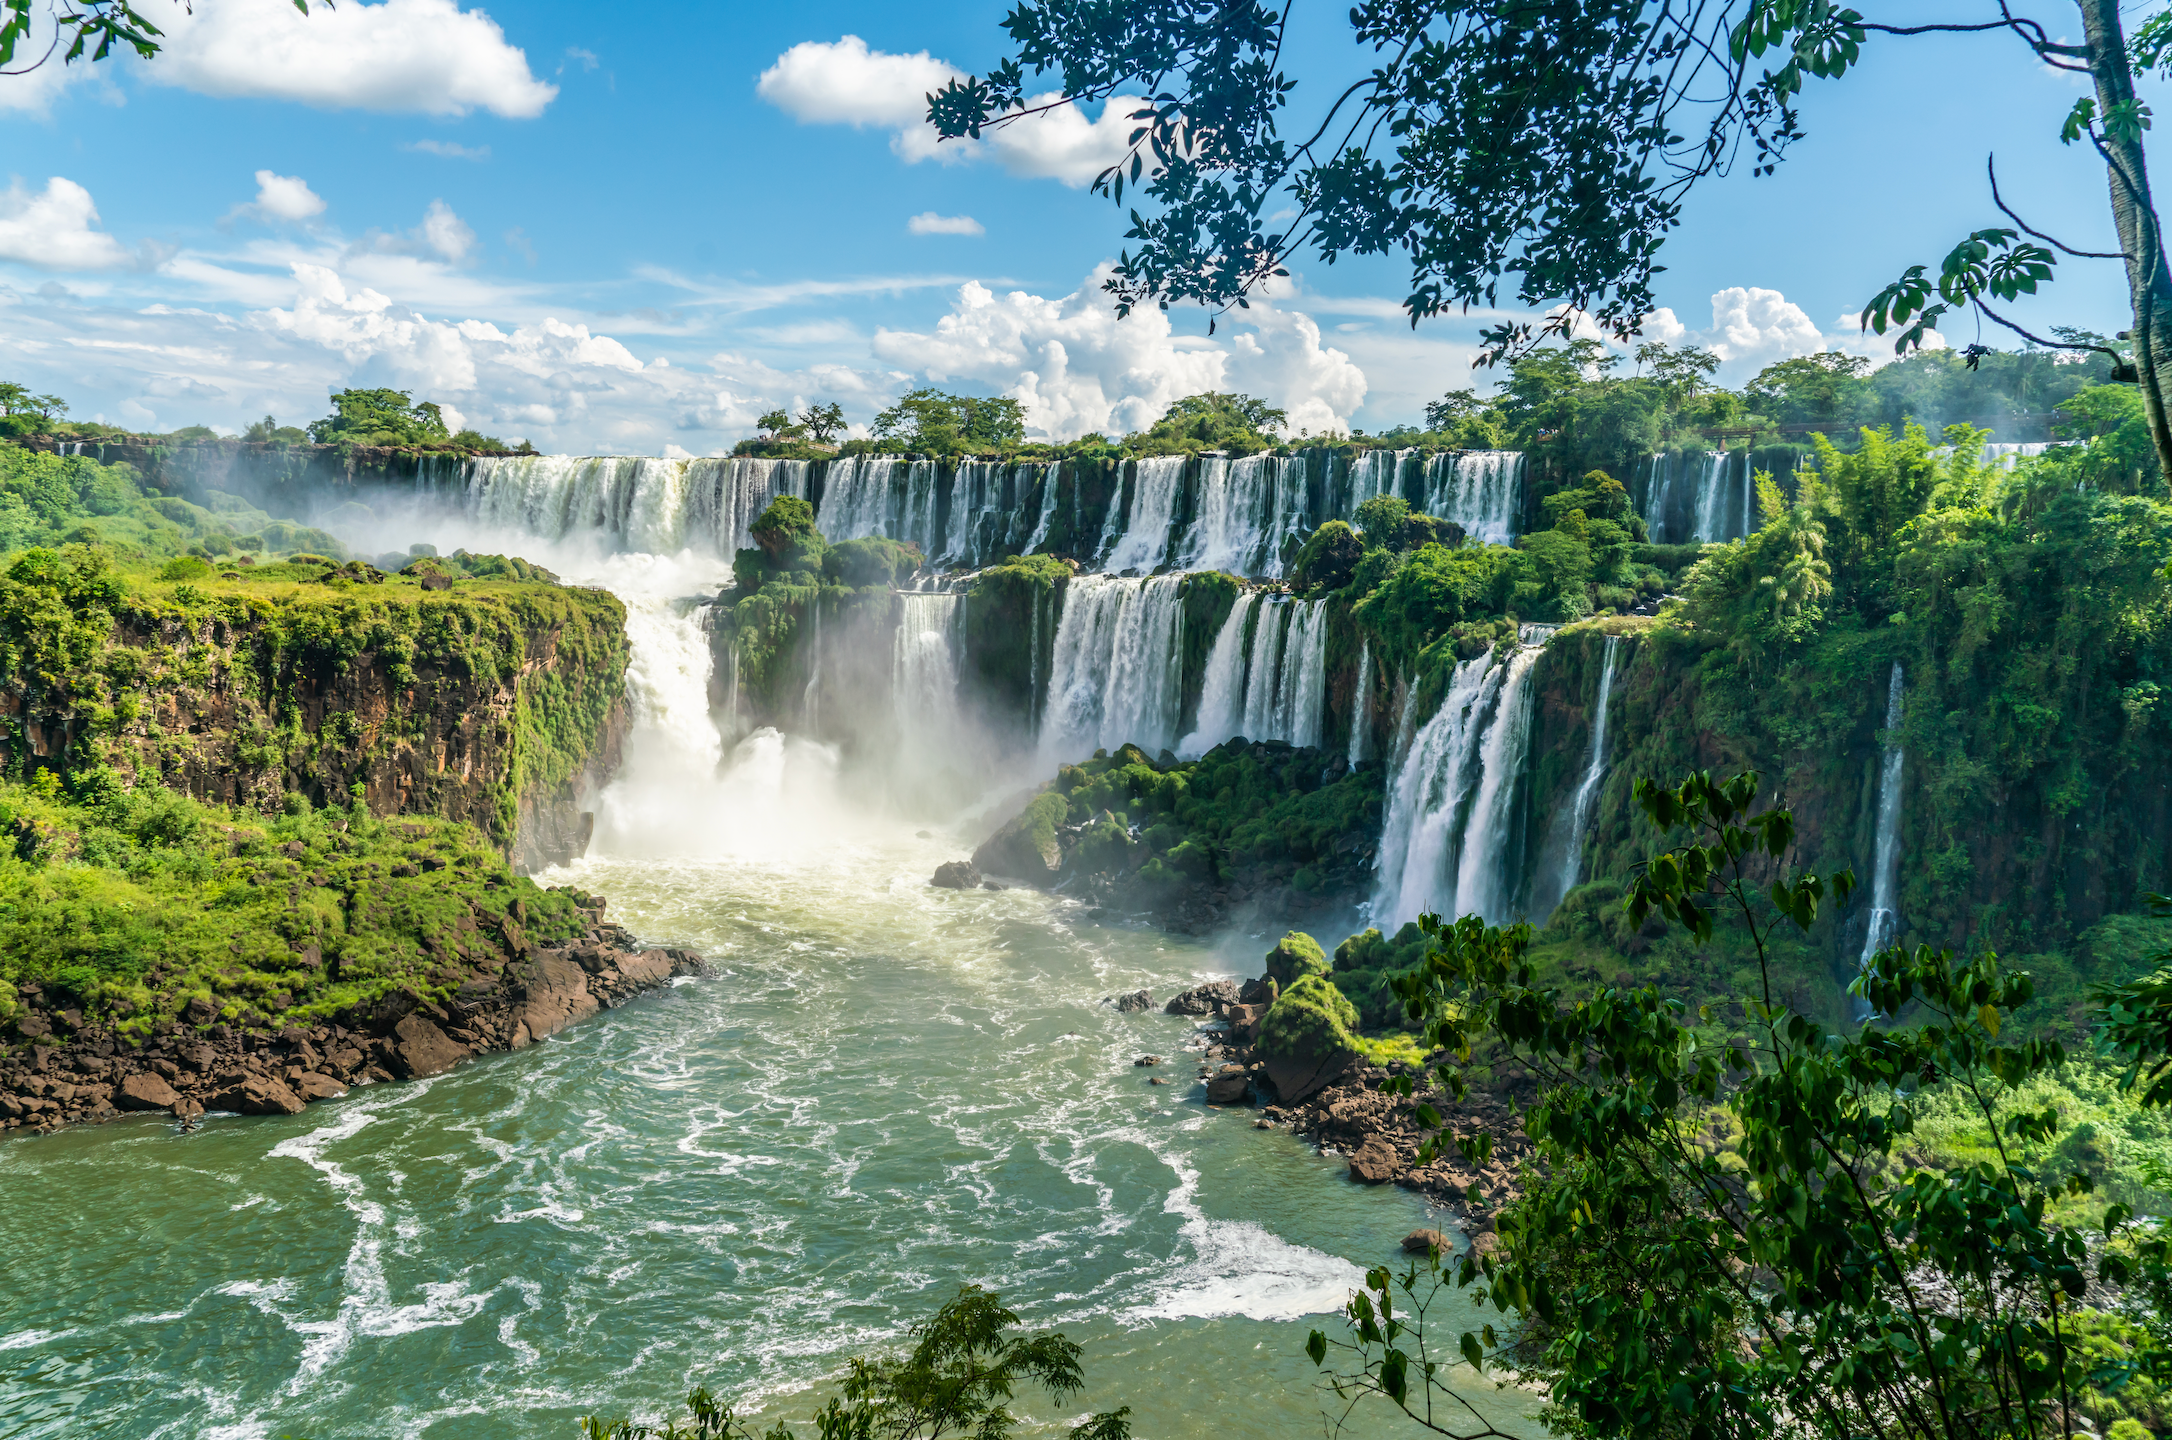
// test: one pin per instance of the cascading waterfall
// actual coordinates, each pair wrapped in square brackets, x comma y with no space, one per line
[1710,522]
[924,672]
[1481,490]
[1657,490]
[1221,696]
[1244,509]
[1450,842]
[1115,673]
[1303,700]
[634,500]
[1376,472]
[1361,716]
[856,497]
[1885,868]
[1577,817]
[1048,510]
[1157,485]
[725,497]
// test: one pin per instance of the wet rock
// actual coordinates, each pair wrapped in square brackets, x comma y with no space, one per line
[1375,1163]
[956,875]
[554,994]
[1205,999]
[993,885]
[420,1049]
[145,1092]
[248,1093]
[1156,1080]
[1147,1060]
[1418,1242]
[1132,1004]
[311,1086]
[1229,1086]
[1261,991]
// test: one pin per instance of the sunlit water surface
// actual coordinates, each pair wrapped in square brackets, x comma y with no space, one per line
[880,1092]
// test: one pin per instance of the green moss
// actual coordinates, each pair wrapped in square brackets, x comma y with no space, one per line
[1294,957]
[1366,963]
[130,905]
[1311,1018]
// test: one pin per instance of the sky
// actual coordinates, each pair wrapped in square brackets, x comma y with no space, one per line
[612,237]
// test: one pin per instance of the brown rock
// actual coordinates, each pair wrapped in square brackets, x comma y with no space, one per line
[554,994]
[1375,1163]
[420,1049]
[312,1086]
[1229,1086]
[252,1094]
[145,1092]
[1418,1242]
[646,968]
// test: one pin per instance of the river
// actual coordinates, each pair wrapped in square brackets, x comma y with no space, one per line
[880,1092]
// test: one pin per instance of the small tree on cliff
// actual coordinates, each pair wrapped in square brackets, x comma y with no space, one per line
[1729,1238]
[823,421]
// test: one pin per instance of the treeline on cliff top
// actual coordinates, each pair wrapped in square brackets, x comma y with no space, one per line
[388,419]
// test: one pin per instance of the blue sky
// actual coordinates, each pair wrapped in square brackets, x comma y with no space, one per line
[626,239]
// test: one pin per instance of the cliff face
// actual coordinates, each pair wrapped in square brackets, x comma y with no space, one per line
[498,704]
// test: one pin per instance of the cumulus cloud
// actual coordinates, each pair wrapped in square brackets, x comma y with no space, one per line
[927,222]
[820,82]
[442,235]
[1076,368]
[1752,328]
[426,56]
[283,197]
[56,229]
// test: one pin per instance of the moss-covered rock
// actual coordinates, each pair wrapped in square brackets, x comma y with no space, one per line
[1296,956]
[1308,1037]
[1028,848]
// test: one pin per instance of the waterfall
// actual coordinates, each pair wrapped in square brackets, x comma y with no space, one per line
[1708,522]
[1111,527]
[556,496]
[1656,491]
[810,702]
[724,497]
[1885,869]
[1157,484]
[1361,714]
[1573,822]
[856,497]
[2004,455]
[1263,669]
[1221,697]
[1302,702]
[1115,671]
[1376,472]
[924,673]
[1450,842]
[1481,490]
[1048,510]
[1244,509]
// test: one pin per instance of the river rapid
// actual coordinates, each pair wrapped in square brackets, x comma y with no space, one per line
[880,1092]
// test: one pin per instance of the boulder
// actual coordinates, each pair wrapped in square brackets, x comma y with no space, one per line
[1229,1086]
[420,1049]
[1375,1162]
[248,1093]
[200,1012]
[1259,992]
[1308,1038]
[646,969]
[1205,999]
[312,1086]
[553,994]
[1028,848]
[1418,1242]
[1147,1060]
[1133,1003]
[145,1092]
[956,875]
[1244,1022]
[1294,957]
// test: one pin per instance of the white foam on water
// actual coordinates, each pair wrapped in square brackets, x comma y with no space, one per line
[25,1339]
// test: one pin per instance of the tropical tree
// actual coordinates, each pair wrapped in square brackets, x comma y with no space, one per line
[777,425]
[938,422]
[823,421]
[379,417]
[1535,156]
[1731,1234]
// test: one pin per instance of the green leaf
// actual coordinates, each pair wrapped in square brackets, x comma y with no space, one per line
[1473,1352]
[1316,1347]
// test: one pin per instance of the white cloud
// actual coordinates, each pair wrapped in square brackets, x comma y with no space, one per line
[428,56]
[1752,328]
[818,82]
[1076,368]
[927,222]
[446,149]
[284,197]
[447,233]
[56,229]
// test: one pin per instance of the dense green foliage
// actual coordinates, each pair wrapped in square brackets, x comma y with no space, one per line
[128,904]
[1233,424]
[927,421]
[1899,1295]
[379,417]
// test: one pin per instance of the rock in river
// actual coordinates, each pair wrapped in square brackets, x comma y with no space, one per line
[956,875]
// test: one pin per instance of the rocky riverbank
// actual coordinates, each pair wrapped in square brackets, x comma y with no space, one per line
[513,994]
[1333,1096]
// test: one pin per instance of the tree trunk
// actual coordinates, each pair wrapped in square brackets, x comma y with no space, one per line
[2149,283]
